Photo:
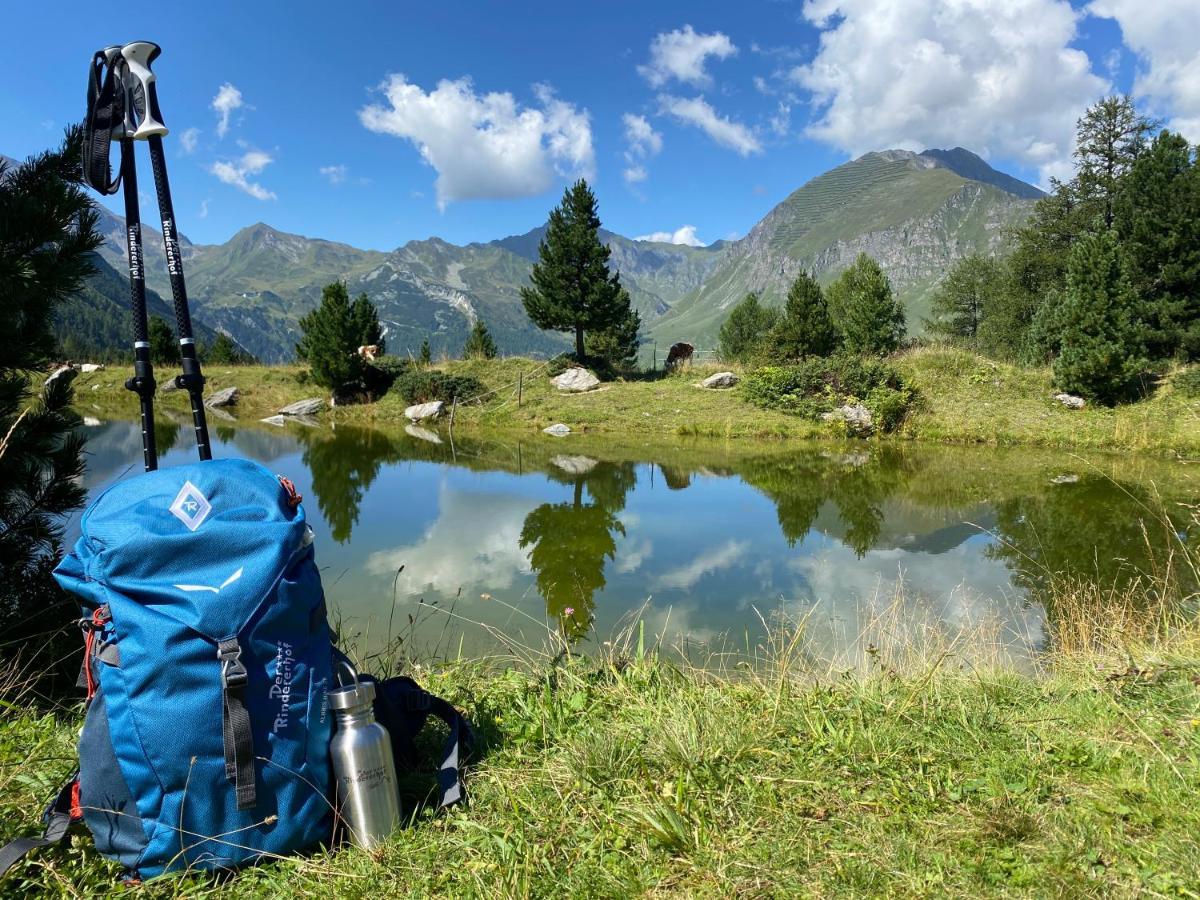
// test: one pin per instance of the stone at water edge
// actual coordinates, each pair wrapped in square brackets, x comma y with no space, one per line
[216,412]
[275,420]
[89,368]
[575,381]
[282,420]
[167,385]
[65,372]
[422,434]
[1070,401]
[420,411]
[857,418]
[720,380]
[309,407]
[559,430]
[575,465]
[224,397]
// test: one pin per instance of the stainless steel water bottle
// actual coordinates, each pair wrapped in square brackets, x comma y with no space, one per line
[361,748]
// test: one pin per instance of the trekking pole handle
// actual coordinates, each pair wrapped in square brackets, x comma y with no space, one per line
[139,56]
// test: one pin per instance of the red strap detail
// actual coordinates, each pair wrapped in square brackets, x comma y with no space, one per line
[293,496]
[98,620]
[76,803]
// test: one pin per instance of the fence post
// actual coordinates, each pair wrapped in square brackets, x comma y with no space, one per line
[520,387]
[453,409]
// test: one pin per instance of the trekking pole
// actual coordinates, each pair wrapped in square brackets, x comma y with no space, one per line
[110,118]
[138,57]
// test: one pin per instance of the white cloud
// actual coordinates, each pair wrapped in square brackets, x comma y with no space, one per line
[781,122]
[685,235]
[227,100]
[236,173]
[335,174]
[203,214]
[999,76]
[188,139]
[681,54]
[642,142]
[485,145]
[698,112]
[686,576]
[1164,36]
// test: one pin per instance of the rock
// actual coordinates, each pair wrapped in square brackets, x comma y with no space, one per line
[64,373]
[575,465]
[720,380]
[95,387]
[275,420]
[224,397]
[420,411]
[576,381]
[309,407]
[89,368]
[1065,479]
[215,412]
[559,430]
[91,422]
[167,385]
[422,434]
[1070,401]
[281,420]
[857,418]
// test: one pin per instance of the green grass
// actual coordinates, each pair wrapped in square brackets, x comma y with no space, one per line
[630,775]
[964,398]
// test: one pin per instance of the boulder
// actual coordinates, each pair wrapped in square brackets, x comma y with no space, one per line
[1070,401]
[167,385]
[420,411]
[1065,479]
[720,380]
[422,434]
[64,373]
[216,412]
[575,465]
[281,420]
[91,422]
[576,381]
[857,418]
[309,407]
[89,368]
[275,420]
[224,397]
[559,430]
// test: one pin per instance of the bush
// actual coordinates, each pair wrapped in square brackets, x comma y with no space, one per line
[426,385]
[1187,382]
[381,373]
[818,386]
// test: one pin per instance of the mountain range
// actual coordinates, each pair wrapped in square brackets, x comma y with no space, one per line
[916,213]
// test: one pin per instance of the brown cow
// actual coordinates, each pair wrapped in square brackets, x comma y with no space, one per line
[368,351]
[679,354]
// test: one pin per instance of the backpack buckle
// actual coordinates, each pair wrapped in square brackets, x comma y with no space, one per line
[233,673]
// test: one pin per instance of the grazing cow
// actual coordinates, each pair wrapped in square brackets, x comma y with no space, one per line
[368,351]
[679,354]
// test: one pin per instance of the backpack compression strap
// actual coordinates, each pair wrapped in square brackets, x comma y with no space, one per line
[59,815]
[235,724]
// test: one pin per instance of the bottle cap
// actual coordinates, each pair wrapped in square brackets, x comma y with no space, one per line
[352,696]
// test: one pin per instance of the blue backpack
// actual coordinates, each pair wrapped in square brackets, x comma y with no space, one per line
[206,738]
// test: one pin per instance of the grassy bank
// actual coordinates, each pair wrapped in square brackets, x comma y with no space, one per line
[632,775]
[964,398]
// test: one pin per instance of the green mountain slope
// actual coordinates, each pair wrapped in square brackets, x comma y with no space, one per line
[917,214]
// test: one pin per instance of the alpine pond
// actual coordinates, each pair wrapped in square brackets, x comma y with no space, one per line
[461,546]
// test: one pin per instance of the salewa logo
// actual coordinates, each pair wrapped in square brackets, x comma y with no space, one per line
[191,588]
[190,506]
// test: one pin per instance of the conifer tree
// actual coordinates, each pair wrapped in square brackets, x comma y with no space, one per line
[425,356]
[164,351]
[364,319]
[1109,138]
[1102,357]
[618,344]
[479,343]
[224,351]
[805,328]
[572,289]
[331,340]
[868,315]
[961,301]
[746,328]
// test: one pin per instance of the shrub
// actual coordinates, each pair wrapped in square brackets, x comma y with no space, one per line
[1187,382]
[817,386]
[381,373]
[426,385]
[747,328]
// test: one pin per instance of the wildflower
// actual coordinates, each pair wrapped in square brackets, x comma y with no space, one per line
[569,611]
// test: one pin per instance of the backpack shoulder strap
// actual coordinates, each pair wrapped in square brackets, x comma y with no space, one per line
[457,747]
[59,815]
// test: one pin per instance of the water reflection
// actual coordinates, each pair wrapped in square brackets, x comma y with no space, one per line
[575,534]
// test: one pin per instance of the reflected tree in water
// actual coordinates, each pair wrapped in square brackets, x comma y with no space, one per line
[570,542]
[343,465]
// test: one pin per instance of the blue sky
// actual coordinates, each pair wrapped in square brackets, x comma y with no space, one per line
[378,123]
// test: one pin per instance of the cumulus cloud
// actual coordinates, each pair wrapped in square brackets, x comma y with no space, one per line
[237,172]
[685,236]
[641,143]
[682,54]
[188,139]
[699,112]
[485,145]
[227,100]
[997,75]
[713,560]
[335,174]
[1164,36]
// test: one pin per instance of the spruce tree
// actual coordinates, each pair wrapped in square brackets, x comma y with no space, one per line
[364,319]
[47,238]
[868,315]
[805,328]
[425,356]
[572,289]
[1102,356]
[962,299]
[224,351]
[479,343]
[164,351]
[746,328]
[1158,219]
[330,341]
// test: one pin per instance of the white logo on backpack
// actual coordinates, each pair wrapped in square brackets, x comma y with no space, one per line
[190,506]
[190,588]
